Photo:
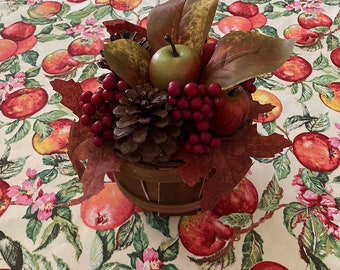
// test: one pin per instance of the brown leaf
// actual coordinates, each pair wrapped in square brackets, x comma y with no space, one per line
[187,21]
[120,25]
[70,92]
[100,161]
[240,56]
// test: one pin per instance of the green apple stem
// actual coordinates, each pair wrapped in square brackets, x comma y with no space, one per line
[172,44]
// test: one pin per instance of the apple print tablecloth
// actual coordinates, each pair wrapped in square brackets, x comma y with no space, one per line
[283,215]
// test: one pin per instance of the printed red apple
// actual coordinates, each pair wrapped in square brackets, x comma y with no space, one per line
[174,63]
[334,103]
[243,199]
[90,84]
[26,44]
[243,9]
[46,9]
[7,49]
[266,97]
[234,23]
[268,265]
[125,4]
[304,37]
[310,20]
[24,103]
[258,21]
[203,234]
[295,69]
[57,141]
[59,62]
[232,115]
[314,151]
[106,210]
[85,46]
[18,31]
[4,199]
[335,57]
[76,1]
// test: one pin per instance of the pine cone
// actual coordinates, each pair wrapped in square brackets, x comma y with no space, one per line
[144,131]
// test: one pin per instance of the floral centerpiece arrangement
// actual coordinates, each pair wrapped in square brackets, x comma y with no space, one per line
[173,118]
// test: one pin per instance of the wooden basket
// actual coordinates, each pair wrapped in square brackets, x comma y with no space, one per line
[158,189]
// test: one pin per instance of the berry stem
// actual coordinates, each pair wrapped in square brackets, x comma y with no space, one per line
[172,44]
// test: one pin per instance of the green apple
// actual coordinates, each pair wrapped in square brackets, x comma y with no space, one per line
[174,63]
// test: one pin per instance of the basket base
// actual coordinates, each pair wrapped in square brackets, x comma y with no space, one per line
[162,209]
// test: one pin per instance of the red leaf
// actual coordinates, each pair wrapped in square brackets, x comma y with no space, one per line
[119,25]
[256,108]
[70,92]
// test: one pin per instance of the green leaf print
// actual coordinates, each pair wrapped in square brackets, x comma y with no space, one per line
[294,213]
[140,239]
[42,129]
[60,263]
[125,233]
[115,266]
[161,223]
[89,72]
[236,219]
[21,132]
[324,90]
[10,168]
[31,58]
[51,116]
[271,196]
[252,250]
[311,181]
[55,99]
[321,62]
[11,252]
[282,166]
[318,124]
[168,249]
[33,228]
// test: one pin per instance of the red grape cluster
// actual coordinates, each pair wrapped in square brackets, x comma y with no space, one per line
[249,86]
[195,105]
[97,108]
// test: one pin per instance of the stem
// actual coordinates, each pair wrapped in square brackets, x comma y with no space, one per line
[174,51]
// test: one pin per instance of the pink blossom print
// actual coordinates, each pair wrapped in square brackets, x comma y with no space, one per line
[151,260]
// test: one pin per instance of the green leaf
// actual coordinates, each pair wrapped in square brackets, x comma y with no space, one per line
[42,129]
[115,266]
[140,239]
[32,72]
[65,213]
[55,99]
[321,62]
[129,60]
[170,267]
[48,175]
[11,168]
[102,12]
[97,251]
[168,249]
[269,31]
[318,124]
[12,65]
[244,51]
[293,214]
[252,250]
[270,127]
[21,132]
[108,243]
[307,93]
[187,21]
[282,166]
[161,223]
[51,116]
[80,14]
[236,219]
[324,79]
[332,42]
[33,228]
[62,26]
[318,263]
[31,58]
[324,90]
[11,252]
[314,237]
[51,232]
[46,30]
[125,233]
[12,127]
[31,83]
[311,181]
[271,196]
[89,72]
[60,263]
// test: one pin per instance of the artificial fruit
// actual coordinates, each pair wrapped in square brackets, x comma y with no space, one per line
[174,63]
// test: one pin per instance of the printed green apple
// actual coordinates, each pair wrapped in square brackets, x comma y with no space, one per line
[174,63]
[232,114]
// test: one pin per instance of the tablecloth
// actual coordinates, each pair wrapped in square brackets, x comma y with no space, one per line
[283,215]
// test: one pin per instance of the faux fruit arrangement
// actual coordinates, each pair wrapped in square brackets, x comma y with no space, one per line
[170,96]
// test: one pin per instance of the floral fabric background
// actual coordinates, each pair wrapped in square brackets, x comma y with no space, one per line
[285,213]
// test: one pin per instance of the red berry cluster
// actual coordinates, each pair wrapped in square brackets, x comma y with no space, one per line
[97,108]
[249,86]
[195,104]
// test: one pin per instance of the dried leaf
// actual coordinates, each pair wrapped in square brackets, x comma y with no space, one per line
[120,25]
[225,167]
[70,92]
[128,60]
[187,21]
[100,160]
[256,108]
[240,56]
